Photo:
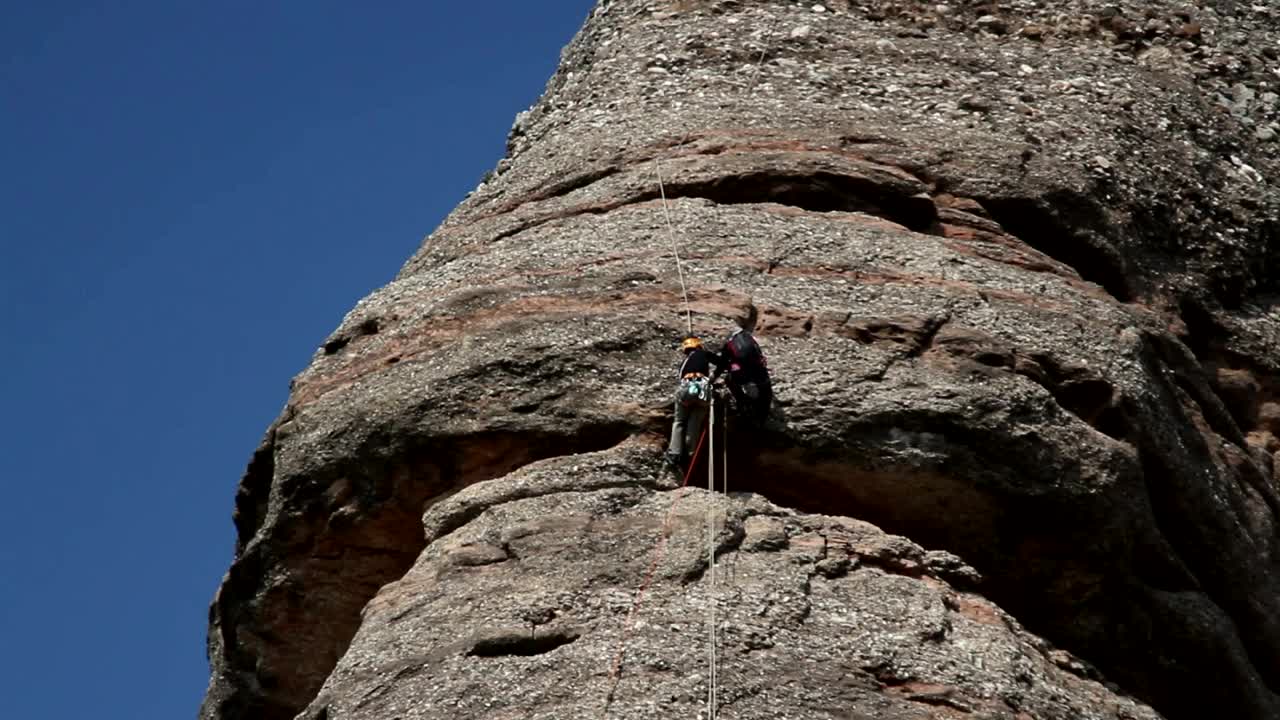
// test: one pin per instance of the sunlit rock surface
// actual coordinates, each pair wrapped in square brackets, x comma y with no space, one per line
[1015,270]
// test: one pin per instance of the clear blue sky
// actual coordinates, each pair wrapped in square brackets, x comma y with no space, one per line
[193,195]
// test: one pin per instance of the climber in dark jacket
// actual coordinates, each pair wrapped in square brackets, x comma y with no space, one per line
[693,396]
[749,380]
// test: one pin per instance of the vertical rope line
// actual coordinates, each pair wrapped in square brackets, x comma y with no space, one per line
[662,190]
[711,560]
[724,464]
[675,249]
[755,73]
[616,672]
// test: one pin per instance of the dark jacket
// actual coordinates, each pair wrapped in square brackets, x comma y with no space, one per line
[699,361]
[752,368]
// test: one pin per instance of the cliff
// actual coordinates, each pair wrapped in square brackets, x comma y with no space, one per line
[1014,266]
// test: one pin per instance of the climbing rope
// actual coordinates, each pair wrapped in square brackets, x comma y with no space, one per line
[615,674]
[662,188]
[724,464]
[755,73]
[675,249]
[711,564]
[659,550]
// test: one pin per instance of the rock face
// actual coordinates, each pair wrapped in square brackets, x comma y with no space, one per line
[1015,269]
[818,616]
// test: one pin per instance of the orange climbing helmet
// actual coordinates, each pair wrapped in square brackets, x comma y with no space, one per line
[690,343]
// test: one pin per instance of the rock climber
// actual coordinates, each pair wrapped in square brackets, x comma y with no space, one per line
[748,375]
[693,396]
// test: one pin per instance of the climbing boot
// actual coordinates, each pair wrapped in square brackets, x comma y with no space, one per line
[673,459]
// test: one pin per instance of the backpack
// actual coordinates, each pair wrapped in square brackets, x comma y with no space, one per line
[742,348]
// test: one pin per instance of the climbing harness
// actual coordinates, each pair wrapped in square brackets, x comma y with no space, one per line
[695,390]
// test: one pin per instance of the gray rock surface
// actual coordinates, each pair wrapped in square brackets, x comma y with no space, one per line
[816,616]
[1015,269]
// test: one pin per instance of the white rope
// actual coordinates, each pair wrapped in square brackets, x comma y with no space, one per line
[712,506]
[662,189]
[724,464]
[711,560]
[751,86]
[731,572]
[675,250]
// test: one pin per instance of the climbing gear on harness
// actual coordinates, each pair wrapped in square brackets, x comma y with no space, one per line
[695,390]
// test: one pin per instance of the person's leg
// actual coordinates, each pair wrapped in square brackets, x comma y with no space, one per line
[765,383]
[678,425]
[763,403]
[693,426]
[741,403]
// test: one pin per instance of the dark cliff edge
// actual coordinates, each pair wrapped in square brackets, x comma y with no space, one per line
[1016,266]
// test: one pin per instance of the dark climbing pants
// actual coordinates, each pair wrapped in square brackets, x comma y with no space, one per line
[752,395]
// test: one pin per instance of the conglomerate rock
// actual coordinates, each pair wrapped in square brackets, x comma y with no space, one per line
[1014,266]
[818,616]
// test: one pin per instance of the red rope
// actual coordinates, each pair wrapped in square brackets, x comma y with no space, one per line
[615,675]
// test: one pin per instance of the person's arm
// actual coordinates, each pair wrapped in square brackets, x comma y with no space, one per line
[721,361]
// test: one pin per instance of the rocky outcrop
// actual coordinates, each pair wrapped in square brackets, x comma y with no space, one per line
[534,575]
[1014,268]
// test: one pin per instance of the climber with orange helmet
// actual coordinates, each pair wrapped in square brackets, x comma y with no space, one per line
[693,395]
